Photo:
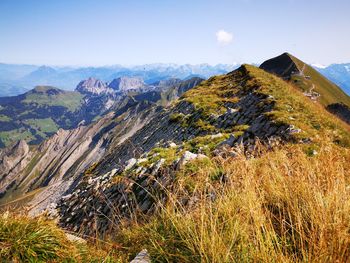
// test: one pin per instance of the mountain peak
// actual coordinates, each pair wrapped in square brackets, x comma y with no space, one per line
[92,86]
[127,83]
[283,65]
[313,84]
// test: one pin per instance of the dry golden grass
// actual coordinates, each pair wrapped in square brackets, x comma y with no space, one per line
[24,239]
[281,207]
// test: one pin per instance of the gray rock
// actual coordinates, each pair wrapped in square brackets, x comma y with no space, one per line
[157,166]
[75,239]
[130,163]
[188,156]
[142,257]
[230,141]
[171,145]
[214,136]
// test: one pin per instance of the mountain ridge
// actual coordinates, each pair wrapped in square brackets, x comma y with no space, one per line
[314,85]
[144,171]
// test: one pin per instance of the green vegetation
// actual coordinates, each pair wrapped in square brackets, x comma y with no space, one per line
[169,154]
[41,96]
[210,96]
[43,125]
[24,239]
[38,113]
[205,144]
[292,107]
[4,118]
[7,137]
[330,93]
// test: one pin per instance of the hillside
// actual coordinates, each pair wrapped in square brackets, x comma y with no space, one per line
[306,78]
[39,113]
[58,162]
[240,107]
[224,173]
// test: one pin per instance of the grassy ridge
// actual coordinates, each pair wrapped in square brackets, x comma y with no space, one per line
[289,205]
[41,96]
[291,106]
[282,207]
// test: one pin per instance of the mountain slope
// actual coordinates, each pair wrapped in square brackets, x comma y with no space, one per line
[306,78]
[37,114]
[312,83]
[55,165]
[210,120]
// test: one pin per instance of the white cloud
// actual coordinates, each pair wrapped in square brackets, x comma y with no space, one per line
[223,37]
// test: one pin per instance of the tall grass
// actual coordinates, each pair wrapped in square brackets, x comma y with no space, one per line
[24,239]
[281,207]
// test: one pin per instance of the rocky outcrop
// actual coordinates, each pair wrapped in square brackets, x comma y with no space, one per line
[12,161]
[57,165]
[124,84]
[93,86]
[282,66]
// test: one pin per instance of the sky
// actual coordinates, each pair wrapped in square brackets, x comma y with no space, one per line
[130,32]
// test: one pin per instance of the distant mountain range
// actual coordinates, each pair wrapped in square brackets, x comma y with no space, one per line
[339,74]
[17,79]
[40,112]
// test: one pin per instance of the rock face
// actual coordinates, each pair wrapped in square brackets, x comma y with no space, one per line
[93,86]
[12,161]
[123,84]
[59,162]
[282,65]
[167,82]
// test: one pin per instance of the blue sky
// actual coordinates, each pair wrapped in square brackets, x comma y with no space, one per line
[105,32]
